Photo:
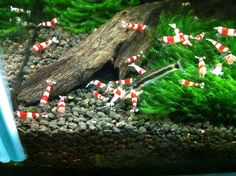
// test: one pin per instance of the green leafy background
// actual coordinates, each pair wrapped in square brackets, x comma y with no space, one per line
[85,15]
[77,16]
[167,97]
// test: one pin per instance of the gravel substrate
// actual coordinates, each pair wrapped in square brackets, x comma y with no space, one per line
[90,134]
[87,143]
[13,58]
[54,51]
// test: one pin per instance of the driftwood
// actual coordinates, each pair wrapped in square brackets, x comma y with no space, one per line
[110,43]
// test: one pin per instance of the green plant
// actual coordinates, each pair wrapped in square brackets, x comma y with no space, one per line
[8,26]
[32,109]
[167,97]
[85,15]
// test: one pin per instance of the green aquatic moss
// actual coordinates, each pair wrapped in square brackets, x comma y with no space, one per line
[85,15]
[167,97]
[8,26]
[32,109]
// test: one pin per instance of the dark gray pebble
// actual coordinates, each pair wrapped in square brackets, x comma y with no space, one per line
[72,104]
[43,122]
[101,114]
[142,130]
[107,132]
[81,111]
[42,128]
[61,122]
[78,98]
[88,96]
[76,113]
[51,116]
[62,129]
[116,130]
[174,127]
[130,128]
[165,127]
[53,124]
[72,125]
[108,126]
[92,127]
[82,119]
[92,101]
[34,126]
[107,119]
[76,119]
[70,119]
[90,114]
[55,131]
[114,115]
[79,93]
[82,126]
[106,110]
[99,103]
[84,103]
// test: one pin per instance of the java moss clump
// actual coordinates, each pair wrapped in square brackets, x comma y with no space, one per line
[85,15]
[77,16]
[8,26]
[166,97]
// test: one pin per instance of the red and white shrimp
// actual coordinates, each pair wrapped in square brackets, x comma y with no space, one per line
[19,10]
[137,27]
[97,83]
[176,39]
[110,89]
[189,83]
[230,59]
[134,98]
[137,68]
[201,66]
[123,81]
[179,37]
[40,46]
[118,93]
[225,31]
[199,36]
[46,93]
[221,48]
[61,106]
[133,58]
[99,96]
[29,115]
[50,23]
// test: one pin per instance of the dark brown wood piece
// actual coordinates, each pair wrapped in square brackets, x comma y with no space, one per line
[110,43]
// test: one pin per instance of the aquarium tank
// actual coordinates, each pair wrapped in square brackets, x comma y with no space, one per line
[117,87]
